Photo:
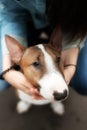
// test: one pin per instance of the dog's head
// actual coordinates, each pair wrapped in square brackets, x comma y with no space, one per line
[42,66]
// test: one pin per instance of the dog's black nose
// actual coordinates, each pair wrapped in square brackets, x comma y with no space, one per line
[60,96]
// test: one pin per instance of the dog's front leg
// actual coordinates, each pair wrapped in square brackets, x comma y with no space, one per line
[58,107]
[22,107]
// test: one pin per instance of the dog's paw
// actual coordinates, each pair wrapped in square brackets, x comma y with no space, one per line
[22,107]
[58,108]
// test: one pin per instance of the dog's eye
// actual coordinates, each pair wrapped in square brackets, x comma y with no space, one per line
[58,59]
[36,64]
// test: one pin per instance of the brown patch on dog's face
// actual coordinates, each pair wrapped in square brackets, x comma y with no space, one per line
[56,57]
[33,65]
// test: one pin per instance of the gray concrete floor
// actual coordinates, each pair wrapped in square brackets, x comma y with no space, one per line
[42,117]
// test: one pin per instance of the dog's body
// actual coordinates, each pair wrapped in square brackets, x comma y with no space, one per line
[42,66]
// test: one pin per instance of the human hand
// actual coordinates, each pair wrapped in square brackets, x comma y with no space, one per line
[18,81]
[68,73]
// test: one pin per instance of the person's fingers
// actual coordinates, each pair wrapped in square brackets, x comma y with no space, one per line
[32,92]
[27,89]
[68,74]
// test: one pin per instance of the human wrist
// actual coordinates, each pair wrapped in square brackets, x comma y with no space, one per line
[8,75]
[13,67]
[68,73]
[70,65]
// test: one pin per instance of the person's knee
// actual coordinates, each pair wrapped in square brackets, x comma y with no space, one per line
[79,83]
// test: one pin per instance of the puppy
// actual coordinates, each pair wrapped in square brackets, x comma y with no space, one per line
[42,66]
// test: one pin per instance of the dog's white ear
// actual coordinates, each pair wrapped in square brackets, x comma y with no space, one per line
[15,48]
[56,38]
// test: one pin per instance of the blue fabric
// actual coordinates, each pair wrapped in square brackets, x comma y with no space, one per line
[3,84]
[15,15]
[21,10]
[79,81]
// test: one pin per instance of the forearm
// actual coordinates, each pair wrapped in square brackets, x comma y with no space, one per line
[70,56]
[6,62]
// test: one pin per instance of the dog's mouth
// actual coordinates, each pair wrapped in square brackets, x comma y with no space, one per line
[55,96]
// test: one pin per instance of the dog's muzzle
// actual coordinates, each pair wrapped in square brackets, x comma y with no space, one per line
[60,96]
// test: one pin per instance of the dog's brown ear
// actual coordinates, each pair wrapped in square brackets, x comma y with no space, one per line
[56,38]
[15,48]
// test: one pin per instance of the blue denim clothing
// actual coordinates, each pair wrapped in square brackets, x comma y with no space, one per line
[14,10]
[15,15]
[79,81]
[3,84]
